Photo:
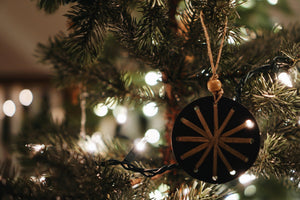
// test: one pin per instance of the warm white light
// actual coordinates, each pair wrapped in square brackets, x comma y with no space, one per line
[140,144]
[298,121]
[150,109]
[120,113]
[25,97]
[42,179]
[234,196]
[38,147]
[152,78]
[163,188]
[233,172]
[185,191]
[285,79]
[273,2]
[152,136]
[9,108]
[91,147]
[100,110]
[246,178]
[156,195]
[249,123]
[250,190]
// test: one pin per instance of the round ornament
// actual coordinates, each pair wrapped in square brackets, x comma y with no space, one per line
[215,142]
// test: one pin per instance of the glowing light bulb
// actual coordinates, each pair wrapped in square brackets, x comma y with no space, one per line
[249,123]
[250,190]
[234,196]
[38,147]
[152,78]
[140,144]
[25,97]
[9,108]
[156,195]
[150,109]
[152,136]
[273,2]
[285,79]
[246,178]
[120,113]
[100,110]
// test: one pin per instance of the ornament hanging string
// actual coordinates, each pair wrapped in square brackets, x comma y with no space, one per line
[217,92]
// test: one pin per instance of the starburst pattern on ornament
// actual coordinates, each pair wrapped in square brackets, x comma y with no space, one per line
[215,142]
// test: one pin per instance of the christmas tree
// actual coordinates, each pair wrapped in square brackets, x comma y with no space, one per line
[181,47]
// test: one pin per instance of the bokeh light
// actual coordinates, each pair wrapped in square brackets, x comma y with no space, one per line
[140,144]
[250,190]
[285,79]
[100,110]
[150,109]
[152,78]
[152,136]
[120,114]
[246,178]
[26,97]
[233,196]
[272,2]
[9,108]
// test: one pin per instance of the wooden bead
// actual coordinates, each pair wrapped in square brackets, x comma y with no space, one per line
[214,85]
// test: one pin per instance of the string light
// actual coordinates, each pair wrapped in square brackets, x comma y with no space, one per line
[93,144]
[273,2]
[156,195]
[41,179]
[100,110]
[150,109]
[152,78]
[9,108]
[250,190]
[285,79]
[233,196]
[152,136]
[140,144]
[246,178]
[26,97]
[120,113]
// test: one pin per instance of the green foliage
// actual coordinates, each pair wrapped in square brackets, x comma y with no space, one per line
[267,97]
[70,173]
[276,159]
[109,46]
[50,6]
[88,21]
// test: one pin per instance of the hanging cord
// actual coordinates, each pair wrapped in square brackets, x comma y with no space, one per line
[214,84]
[145,172]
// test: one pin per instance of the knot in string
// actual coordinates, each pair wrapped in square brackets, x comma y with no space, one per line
[214,85]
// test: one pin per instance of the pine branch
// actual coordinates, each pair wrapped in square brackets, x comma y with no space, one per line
[88,21]
[275,159]
[50,6]
[68,71]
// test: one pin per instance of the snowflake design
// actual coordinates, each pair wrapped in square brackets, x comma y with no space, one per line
[215,142]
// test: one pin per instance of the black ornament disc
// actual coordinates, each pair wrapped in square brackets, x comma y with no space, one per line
[215,143]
